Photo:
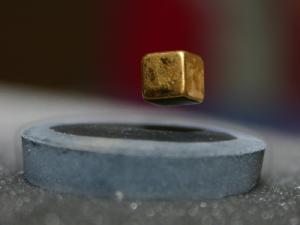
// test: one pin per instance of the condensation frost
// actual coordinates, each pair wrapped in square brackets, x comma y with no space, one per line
[274,202]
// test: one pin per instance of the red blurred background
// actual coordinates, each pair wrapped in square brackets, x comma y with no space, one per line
[251,50]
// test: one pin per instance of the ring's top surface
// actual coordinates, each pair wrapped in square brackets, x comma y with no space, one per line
[161,139]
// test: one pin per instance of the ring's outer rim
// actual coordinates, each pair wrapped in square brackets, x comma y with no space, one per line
[140,169]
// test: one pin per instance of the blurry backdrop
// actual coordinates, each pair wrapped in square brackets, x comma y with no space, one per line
[251,49]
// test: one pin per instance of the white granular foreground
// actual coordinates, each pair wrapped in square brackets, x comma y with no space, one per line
[275,201]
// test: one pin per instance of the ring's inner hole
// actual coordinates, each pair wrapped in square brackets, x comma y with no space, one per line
[144,132]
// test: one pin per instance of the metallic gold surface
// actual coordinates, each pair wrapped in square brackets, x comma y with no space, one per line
[175,77]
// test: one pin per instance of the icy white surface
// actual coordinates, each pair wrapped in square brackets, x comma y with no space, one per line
[275,201]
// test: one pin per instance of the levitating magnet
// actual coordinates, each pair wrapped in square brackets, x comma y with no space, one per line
[172,78]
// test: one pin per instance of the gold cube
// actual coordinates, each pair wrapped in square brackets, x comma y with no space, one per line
[175,77]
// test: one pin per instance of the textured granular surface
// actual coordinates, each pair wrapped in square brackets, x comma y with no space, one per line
[275,201]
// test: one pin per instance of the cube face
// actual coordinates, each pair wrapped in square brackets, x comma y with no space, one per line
[163,75]
[194,77]
[175,77]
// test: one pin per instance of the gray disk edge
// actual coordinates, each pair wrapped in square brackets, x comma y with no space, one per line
[140,169]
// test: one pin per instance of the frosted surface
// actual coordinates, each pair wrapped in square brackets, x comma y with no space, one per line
[275,201]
